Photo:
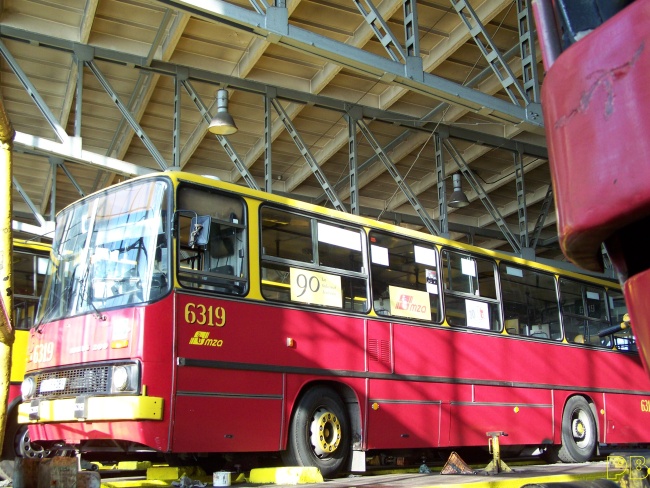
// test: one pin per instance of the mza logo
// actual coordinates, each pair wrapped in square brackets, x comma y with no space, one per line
[406,303]
[403,302]
[203,339]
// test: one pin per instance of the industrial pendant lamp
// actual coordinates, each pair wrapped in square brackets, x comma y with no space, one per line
[458,198]
[222,123]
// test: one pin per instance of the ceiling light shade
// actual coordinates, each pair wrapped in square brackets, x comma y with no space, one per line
[222,123]
[458,198]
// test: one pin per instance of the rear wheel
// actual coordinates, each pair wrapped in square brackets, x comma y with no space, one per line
[579,434]
[319,434]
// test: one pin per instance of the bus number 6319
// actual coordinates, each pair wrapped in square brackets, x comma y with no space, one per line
[201,315]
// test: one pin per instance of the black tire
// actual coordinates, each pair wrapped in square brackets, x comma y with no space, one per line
[24,447]
[319,434]
[579,432]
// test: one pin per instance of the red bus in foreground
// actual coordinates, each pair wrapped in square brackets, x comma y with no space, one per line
[595,100]
[196,317]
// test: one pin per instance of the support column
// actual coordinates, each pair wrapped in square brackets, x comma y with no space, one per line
[6,274]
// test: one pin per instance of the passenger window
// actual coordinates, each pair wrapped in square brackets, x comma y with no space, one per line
[470,291]
[310,261]
[584,312]
[219,264]
[405,280]
[623,339]
[530,305]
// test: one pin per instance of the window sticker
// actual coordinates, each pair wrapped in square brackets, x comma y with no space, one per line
[468,266]
[339,237]
[315,288]
[591,295]
[432,281]
[477,314]
[514,272]
[379,254]
[409,303]
[424,255]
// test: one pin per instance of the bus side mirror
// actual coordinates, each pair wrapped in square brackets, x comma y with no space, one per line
[199,231]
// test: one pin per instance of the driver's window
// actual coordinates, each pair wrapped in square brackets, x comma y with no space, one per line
[211,235]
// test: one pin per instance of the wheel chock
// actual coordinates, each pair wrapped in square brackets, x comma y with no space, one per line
[455,465]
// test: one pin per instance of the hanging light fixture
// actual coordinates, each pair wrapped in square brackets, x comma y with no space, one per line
[222,123]
[458,198]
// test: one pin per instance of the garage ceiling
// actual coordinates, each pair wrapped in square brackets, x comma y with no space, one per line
[299,74]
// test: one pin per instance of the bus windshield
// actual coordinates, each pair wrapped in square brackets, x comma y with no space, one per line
[110,250]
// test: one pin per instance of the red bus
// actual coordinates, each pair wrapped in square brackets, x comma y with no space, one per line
[594,96]
[199,318]
[29,262]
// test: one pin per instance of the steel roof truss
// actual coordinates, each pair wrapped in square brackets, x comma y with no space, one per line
[392,170]
[31,90]
[483,196]
[311,161]
[230,151]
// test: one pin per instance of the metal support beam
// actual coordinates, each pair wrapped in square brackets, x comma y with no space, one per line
[356,59]
[521,199]
[379,26]
[539,225]
[176,135]
[483,196]
[395,118]
[527,50]
[268,142]
[392,170]
[230,151]
[60,132]
[353,157]
[311,161]
[61,163]
[127,114]
[28,201]
[490,52]
[441,186]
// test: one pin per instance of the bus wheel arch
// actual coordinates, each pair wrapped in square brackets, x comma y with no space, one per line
[579,431]
[17,442]
[323,428]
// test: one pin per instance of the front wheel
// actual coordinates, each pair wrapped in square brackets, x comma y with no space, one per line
[579,434]
[319,434]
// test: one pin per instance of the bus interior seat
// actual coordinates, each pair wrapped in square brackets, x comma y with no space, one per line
[227,269]
[579,339]
[539,334]
[220,247]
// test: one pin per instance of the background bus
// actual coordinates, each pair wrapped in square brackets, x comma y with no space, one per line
[595,100]
[29,261]
[196,317]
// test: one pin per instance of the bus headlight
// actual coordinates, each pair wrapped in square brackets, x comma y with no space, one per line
[28,388]
[124,379]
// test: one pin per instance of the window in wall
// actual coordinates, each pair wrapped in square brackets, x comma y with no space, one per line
[470,291]
[404,277]
[530,305]
[221,264]
[310,261]
[584,312]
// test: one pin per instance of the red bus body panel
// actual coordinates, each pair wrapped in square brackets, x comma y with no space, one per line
[232,387]
[86,339]
[594,99]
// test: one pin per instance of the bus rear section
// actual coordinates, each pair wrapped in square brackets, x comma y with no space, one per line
[595,99]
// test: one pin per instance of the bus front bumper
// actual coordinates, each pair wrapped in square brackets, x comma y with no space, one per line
[91,409]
